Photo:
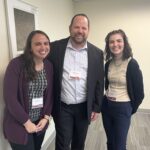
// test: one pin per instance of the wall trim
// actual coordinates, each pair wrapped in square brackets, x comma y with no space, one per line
[147,111]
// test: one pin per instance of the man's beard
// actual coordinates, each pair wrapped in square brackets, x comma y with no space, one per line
[79,41]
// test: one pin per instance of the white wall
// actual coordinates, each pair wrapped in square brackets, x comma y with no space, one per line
[133,16]
[54,16]
[3,63]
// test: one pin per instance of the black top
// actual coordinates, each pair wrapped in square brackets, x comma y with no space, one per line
[36,90]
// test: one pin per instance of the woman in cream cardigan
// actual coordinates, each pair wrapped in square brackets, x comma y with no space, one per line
[124,89]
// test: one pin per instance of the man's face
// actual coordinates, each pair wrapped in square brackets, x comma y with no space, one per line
[79,30]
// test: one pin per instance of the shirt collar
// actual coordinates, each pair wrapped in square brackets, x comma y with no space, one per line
[69,45]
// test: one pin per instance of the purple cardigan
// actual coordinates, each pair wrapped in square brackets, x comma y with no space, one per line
[16,100]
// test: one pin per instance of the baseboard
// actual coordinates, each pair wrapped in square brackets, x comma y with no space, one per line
[49,140]
[147,111]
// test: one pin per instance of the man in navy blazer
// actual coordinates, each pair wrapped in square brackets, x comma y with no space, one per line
[78,85]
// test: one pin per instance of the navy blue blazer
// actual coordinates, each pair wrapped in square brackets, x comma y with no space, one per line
[95,76]
[134,80]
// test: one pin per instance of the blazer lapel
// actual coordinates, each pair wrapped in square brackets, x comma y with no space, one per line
[62,50]
[90,65]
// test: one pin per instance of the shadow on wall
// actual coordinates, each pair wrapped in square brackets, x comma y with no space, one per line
[3,143]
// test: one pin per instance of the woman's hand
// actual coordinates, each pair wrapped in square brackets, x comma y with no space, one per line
[42,123]
[30,127]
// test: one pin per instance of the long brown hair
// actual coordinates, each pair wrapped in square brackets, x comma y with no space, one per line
[29,64]
[127,52]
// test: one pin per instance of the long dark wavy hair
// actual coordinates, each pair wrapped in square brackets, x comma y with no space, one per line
[29,64]
[127,52]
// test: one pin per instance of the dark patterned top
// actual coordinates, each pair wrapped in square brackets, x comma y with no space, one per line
[36,90]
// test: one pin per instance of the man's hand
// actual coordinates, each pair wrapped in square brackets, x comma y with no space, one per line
[94,116]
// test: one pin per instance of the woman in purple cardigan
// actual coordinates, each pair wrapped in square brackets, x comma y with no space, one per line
[28,94]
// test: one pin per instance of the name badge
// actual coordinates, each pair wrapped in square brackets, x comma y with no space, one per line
[74,75]
[37,102]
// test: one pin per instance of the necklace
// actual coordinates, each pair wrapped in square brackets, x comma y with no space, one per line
[117,63]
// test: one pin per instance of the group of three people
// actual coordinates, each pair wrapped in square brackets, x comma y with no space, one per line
[68,83]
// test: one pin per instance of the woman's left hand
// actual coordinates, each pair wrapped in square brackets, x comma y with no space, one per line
[42,123]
